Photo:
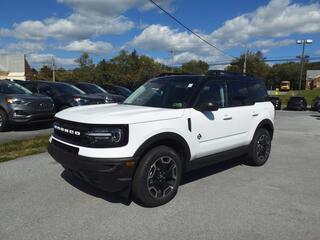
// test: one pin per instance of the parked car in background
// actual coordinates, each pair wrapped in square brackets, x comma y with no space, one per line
[119,90]
[95,90]
[18,105]
[315,105]
[297,103]
[276,101]
[64,95]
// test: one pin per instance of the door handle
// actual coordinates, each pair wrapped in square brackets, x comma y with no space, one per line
[227,117]
[255,114]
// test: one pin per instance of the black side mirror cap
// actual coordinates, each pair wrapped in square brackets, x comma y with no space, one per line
[207,107]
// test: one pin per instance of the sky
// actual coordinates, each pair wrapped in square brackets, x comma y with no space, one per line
[66,28]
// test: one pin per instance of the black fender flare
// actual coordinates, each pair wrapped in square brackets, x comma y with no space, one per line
[266,123]
[170,139]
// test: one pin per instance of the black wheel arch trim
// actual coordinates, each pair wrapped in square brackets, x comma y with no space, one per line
[162,139]
[267,123]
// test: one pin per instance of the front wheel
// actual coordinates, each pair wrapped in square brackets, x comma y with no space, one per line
[260,148]
[3,120]
[158,176]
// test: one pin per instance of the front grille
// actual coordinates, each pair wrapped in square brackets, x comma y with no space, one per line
[65,147]
[75,133]
[41,106]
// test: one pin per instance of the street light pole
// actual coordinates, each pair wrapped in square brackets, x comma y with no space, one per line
[303,42]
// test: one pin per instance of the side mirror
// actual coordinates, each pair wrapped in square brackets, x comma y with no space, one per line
[208,107]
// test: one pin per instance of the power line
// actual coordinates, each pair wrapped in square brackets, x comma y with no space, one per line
[194,33]
[312,58]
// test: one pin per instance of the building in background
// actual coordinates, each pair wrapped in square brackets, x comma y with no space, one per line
[14,66]
[313,79]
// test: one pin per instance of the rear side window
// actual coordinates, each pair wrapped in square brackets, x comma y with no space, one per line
[238,93]
[257,91]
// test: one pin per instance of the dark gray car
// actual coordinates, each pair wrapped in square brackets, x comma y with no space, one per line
[19,106]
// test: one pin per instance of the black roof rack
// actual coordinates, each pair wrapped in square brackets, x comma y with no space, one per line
[173,74]
[226,73]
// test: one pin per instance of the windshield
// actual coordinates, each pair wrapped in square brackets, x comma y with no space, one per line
[164,93]
[68,89]
[13,88]
[90,88]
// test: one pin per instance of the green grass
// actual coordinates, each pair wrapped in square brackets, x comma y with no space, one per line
[308,94]
[22,148]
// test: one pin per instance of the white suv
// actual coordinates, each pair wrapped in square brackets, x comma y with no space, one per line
[168,126]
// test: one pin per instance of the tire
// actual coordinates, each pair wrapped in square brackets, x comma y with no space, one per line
[3,120]
[260,148]
[153,187]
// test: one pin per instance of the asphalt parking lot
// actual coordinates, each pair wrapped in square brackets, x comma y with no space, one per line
[280,200]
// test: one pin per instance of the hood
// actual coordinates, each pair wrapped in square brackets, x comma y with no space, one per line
[118,114]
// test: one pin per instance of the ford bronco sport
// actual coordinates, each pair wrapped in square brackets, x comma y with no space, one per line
[168,126]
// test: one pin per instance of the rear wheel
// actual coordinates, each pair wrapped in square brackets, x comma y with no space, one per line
[158,176]
[260,148]
[3,120]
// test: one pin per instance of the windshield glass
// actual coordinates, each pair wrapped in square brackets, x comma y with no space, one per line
[91,88]
[13,88]
[164,93]
[68,89]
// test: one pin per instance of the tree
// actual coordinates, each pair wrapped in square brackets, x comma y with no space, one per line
[284,72]
[86,71]
[84,61]
[45,73]
[255,65]
[195,67]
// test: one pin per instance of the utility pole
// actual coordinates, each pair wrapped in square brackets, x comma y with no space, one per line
[172,59]
[53,69]
[245,60]
[303,42]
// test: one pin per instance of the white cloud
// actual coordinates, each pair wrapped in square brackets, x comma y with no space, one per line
[265,28]
[89,47]
[47,59]
[279,18]
[26,47]
[74,27]
[110,7]
[272,43]
[185,46]
[89,19]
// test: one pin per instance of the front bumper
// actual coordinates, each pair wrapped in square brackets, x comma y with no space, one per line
[111,175]
[31,118]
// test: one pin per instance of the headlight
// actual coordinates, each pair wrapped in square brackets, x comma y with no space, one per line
[15,101]
[108,137]
[80,100]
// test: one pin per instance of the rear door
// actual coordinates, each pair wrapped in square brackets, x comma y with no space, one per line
[242,110]
[213,132]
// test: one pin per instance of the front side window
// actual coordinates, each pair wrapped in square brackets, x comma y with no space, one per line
[90,88]
[67,89]
[214,92]
[164,93]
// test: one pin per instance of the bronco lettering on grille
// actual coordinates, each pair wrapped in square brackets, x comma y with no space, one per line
[69,131]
